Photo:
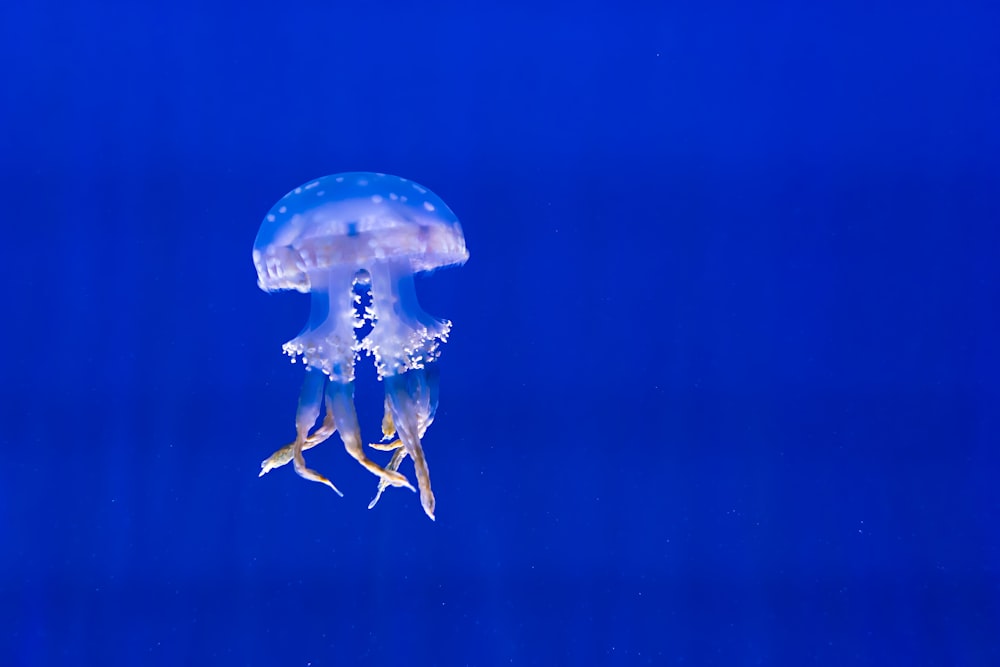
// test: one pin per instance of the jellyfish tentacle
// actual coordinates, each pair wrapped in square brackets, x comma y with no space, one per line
[395,446]
[397,458]
[340,402]
[299,463]
[310,400]
[320,435]
[404,401]
[323,431]
[388,428]
[422,387]
[386,446]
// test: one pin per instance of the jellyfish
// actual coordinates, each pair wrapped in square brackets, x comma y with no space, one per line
[354,242]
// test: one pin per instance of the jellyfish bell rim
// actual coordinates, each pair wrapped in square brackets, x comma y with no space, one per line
[355,219]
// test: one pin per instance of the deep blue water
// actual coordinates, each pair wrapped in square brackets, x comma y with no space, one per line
[722,387]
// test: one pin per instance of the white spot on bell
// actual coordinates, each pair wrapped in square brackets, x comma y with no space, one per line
[428,206]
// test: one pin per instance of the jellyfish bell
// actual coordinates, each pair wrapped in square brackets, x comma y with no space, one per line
[353,220]
[337,237]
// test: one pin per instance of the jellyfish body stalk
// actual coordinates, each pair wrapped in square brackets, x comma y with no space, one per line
[405,342]
[328,348]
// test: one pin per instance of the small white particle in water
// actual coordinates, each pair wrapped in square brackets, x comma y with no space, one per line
[283,209]
[429,206]
[376,199]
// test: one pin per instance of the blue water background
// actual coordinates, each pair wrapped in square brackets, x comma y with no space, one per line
[722,387]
